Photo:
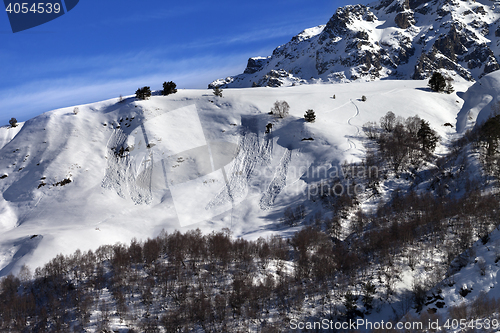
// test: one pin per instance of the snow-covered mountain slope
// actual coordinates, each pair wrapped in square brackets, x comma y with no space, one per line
[469,289]
[389,39]
[481,101]
[119,170]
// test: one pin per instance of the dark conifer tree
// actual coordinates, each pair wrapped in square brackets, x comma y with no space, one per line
[217,91]
[310,116]
[169,88]
[437,82]
[427,137]
[143,93]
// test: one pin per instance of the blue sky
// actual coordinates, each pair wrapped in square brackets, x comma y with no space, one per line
[102,49]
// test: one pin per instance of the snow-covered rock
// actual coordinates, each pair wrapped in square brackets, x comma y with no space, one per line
[481,101]
[387,39]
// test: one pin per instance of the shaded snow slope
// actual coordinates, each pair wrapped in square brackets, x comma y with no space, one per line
[191,160]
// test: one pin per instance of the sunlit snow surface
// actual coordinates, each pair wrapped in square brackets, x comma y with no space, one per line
[185,161]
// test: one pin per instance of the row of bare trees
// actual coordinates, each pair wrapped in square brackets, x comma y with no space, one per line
[214,282]
[182,281]
[403,143]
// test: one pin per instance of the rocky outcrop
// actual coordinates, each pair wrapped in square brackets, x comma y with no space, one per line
[255,64]
[404,20]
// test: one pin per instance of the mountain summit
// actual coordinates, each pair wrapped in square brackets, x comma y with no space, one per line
[389,39]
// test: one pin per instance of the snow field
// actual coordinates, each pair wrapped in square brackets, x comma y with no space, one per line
[113,199]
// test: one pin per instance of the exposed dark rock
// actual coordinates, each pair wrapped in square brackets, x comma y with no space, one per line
[338,24]
[363,35]
[413,4]
[452,44]
[399,6]
[491,65]
[404,20]
[63,182]
[423,10]
[255,65]
[480,10]
[479,56]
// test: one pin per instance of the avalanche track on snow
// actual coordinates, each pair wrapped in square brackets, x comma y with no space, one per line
[252,152]
[278,182]
[120,175]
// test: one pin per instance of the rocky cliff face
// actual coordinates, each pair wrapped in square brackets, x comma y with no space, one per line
[406,39]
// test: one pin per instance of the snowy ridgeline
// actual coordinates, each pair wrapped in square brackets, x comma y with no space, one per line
[119,170]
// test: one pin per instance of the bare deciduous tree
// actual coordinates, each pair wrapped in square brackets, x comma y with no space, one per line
[280,109]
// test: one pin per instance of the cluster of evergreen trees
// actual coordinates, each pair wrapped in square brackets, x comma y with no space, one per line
[145,92]
[438,83]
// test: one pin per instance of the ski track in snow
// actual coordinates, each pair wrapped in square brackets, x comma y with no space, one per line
[278,182]
[351,143]
[389,92]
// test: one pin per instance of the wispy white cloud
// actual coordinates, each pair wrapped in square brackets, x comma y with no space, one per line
[154,59]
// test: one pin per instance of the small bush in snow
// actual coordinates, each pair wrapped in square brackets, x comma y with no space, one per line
[363,98]
[269,127]
[449,88]
[388,122]
[482,266]
[13,122]
[370,130]
[280,109]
